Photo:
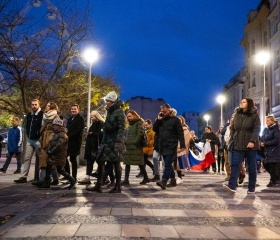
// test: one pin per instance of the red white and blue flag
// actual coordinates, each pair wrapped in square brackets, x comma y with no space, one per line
[204,159]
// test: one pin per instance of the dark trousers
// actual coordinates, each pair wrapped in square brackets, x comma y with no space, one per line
[90,162]
[274,170]
[101,169]
[221,159]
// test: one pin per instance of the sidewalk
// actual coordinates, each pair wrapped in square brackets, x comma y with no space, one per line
[197,209]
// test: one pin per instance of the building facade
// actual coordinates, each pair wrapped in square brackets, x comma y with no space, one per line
[147,108]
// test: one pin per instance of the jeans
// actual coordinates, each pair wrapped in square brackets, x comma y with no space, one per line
[9,158]
[236,161]
[156,156]
[168,167]
[33,146]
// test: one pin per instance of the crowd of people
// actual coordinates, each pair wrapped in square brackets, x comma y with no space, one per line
[124,137]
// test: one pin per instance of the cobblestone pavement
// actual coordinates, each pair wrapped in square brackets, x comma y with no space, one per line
[197,209]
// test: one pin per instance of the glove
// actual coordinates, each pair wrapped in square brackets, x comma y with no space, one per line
[118,147]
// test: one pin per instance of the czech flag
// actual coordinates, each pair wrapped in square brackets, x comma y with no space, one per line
[204,159]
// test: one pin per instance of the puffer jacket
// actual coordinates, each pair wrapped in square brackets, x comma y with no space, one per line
[271,140]
[14,139]
[134,150]
[148,150]
[58,147]
[113,133]
[245,129]
[170,131]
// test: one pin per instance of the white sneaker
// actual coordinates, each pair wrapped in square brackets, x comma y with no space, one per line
[179,181]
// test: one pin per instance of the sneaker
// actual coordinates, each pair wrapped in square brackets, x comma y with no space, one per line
[17,171]
[228,189]
[251,192]
[84,181]
[179,181]
[144,182]
[2,170]
[21,180]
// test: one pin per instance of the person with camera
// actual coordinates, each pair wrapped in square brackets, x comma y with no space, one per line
[170,131]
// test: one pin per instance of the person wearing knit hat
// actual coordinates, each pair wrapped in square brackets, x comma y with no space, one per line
[111,96]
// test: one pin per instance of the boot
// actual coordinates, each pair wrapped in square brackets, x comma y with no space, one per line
[72,181]
[116,189]
[172,183]
[96,188]
[155,178]
[162,183]
[146,179]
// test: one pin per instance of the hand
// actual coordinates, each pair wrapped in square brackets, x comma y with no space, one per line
[250,145]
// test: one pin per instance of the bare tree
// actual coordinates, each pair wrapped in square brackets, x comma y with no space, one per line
[38,49]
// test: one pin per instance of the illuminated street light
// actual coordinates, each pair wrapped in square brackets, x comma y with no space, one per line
[262,58]
[221,99]
[206,118]
[90,55]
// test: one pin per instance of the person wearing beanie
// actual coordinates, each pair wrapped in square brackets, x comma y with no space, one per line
[112,147]
[57,153]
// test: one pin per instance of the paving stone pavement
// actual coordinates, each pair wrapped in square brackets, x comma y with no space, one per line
[197,209]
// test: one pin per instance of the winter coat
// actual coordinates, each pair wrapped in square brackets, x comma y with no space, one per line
[113,134]
[214,140]
[75,127]
[271,140]
[47,134]
[245,129]
[58,147]
[148,150]
[94,139]
[187,137]
[15,139]
[134,149]
[33,124]
[170,131]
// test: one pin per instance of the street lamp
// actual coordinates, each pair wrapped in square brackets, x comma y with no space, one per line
[206,118]
[221,99]
[262,58]
[90,55]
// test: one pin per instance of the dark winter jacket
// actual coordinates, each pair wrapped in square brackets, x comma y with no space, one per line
[245,129]
[271,140]
[113,142]
[134,154]
[170,131]
[58,147]
[15,139]
[33,124]
[214,140]
[94,139]
[75,127]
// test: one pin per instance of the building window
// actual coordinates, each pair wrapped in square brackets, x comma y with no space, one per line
[253,46]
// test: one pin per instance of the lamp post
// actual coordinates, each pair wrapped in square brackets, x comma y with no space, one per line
[206,118]
[90,55]
[221,99]
[262,58]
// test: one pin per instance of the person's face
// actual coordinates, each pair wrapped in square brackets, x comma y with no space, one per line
[74,110]
[93,118]
[48,107]
[244,104]
[269,122]
[129,117]
[15,122]
[147,125]
[108,103]
[207,130]
[166,111]
[35,106]
[55,127]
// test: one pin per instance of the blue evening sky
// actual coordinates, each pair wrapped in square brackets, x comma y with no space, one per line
[180,50]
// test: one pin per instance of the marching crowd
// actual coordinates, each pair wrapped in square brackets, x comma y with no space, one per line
[124,137]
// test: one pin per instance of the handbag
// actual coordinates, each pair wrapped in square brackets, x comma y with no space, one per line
[183,161]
